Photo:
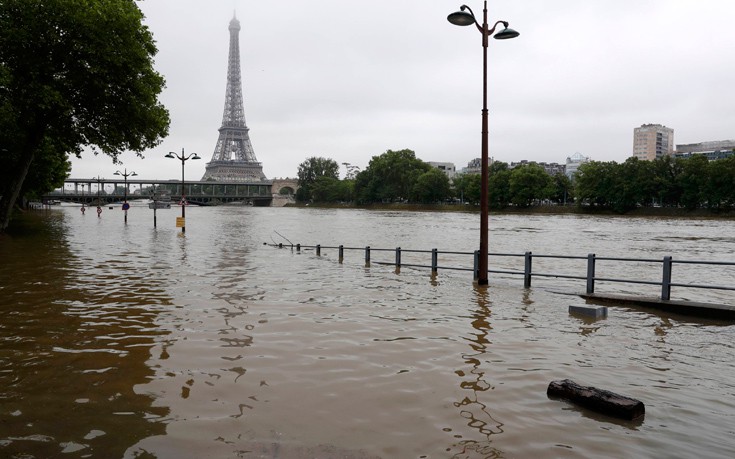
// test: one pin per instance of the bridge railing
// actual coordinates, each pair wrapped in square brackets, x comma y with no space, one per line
[591,269]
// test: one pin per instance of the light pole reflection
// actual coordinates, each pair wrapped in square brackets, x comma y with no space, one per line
[474,384]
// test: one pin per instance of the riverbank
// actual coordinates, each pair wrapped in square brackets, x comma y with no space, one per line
[671,212]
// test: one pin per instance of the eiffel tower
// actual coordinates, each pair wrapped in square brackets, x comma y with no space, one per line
[234,159]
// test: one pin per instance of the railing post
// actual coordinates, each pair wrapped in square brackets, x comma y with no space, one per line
[298,247]
[318,250]
[527,271]
[476,267]
[666,282]
[398,257]
[434,260]
[367,256]
[590,273]
[341,253]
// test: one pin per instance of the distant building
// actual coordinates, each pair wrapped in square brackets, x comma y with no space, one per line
[475,166]
[719,149]
[573,163]
[651,141]
[448,168]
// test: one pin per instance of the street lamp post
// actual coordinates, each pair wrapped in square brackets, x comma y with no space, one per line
[125,176]
[83,209]
[183,158]
[465,18]
[99,199]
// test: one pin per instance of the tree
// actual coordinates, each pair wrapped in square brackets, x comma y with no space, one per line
[692,180]
[560,189]
[73,74]
[639,179]
[528,182]
[389,177]
[720,188]
[431,186]
[595,183]
[312,170]
[666,171]
[467,187]
[499,185]
[330,189]
[627,185]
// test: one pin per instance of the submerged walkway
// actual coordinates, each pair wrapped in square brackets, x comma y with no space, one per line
[686,308]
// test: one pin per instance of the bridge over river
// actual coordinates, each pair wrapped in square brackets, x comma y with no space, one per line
[105,191]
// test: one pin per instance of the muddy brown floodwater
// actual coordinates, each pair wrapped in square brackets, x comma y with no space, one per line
[125,341]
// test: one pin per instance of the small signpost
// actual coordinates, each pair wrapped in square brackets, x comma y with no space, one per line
[161,200]
[180,222]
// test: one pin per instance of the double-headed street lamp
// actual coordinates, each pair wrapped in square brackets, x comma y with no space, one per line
[465,18]
[125,176]
[183,159]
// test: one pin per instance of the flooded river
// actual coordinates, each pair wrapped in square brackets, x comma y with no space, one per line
[128,341]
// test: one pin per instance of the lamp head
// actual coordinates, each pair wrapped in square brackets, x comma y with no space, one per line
[133,174]
[196,156]
[170,155]
[461,18]
[506,33]
[117,173]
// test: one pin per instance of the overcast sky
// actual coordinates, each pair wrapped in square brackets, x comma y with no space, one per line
[348,80]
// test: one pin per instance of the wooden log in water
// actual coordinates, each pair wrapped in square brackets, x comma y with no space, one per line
[599,400]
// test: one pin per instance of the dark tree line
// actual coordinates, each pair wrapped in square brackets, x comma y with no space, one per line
[394,176]
[691,183]
[398,176]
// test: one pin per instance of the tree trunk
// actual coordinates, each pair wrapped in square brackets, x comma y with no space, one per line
[599,400]
[11,190]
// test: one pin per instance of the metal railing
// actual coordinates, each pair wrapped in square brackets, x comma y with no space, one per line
[590,277]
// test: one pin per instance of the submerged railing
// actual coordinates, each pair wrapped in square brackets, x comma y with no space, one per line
[591,261]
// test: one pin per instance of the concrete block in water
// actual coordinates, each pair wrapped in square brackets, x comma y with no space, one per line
[594,312]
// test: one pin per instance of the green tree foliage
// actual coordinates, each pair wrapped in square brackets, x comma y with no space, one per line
[73,74]
[639,180]
[691,183]
[720,188]
[628,184]
[389,177]
[330,189]
[666,172]
[528,183]
[560,189]
[595,183]
[432,186]
[313,170]
[499,185]
[467,188]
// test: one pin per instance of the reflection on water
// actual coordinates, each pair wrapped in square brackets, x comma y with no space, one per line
[128,341]
[472,407]
[74,341]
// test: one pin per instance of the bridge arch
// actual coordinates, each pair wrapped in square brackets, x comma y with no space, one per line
[284,190]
